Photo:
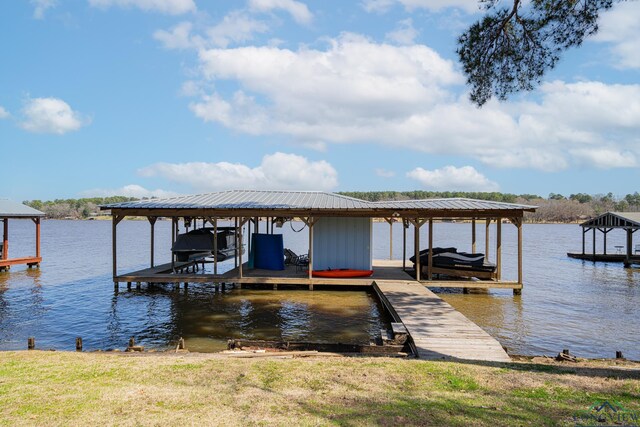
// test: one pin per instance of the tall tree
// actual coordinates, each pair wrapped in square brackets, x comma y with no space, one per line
[510,48]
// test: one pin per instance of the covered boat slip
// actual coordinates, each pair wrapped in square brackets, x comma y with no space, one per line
[339,235]
[12,210]
[628,222]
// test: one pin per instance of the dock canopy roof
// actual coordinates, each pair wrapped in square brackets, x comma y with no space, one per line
[11,209]
[627,220]
[292,203]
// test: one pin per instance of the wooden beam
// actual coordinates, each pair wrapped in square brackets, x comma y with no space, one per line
[499,248]
[594,241]
[430,258]
[310,222]
[487,225]
[473,236]
[5,238]
[174,227]
[405,224]
[37,221]
[390,221]
[239,231]
[416,249]
[215,246]
[604,241]
[152,222]
[520,276]
[114,246]
[584,233]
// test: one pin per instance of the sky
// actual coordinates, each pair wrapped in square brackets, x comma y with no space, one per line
[154,98]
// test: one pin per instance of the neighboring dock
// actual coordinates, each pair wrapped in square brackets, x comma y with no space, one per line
[437,329]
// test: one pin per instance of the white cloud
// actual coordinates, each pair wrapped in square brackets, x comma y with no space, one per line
[131,190]
[465,178]
[404,34]
[352,85]
[178,37]
[605,158]
[41,6]
[278,171]
[381,172]
[169,7]
[382,6]
[621,28]
[358,91]
[298,10]
[236,27]
[4,114]
[50,115]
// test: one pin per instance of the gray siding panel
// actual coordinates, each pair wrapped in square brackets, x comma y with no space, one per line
[342,243]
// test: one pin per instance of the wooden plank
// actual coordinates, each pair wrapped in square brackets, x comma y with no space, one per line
[18,261]
[438,331]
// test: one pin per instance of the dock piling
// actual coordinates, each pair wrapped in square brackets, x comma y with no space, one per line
[31,343]
[79,344]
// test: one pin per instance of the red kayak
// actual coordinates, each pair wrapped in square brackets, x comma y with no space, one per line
[342,272]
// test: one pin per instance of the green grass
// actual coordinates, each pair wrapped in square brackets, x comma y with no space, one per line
[58,388]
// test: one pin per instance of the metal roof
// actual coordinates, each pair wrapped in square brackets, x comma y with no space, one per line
[615,220]
[250,199]
[11,209]
[457,204]
[307,200]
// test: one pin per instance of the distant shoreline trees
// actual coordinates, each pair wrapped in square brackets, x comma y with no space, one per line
[554,208]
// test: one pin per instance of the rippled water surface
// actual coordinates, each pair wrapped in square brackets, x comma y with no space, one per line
[586,307]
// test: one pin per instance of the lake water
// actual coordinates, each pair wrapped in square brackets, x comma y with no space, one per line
[586,307]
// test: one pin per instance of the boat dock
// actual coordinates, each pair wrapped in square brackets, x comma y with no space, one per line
[437,330]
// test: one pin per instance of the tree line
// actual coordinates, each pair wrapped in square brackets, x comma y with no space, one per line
[74,208]
[554,208]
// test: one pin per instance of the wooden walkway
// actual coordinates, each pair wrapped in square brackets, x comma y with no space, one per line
[437,329]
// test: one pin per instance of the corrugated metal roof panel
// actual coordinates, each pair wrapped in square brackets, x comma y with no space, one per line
[451,204]
[9,208]
[250,199]
[255,199]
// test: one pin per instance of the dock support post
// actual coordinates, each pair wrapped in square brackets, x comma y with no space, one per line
[390,221]
[473,236]
[487,225]
[405,225]
[152,221]
[430,258]
[174,226]
[239,234]
[499,248]
[5,238]
[235,250]
[594,243]
[310,221]
[417,223]
[416,248]
[215,245]
[115,219]
[518,223]
[604,240]
[584,232]
[37,221]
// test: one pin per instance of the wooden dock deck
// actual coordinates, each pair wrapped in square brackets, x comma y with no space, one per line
[382,270]
[438,331]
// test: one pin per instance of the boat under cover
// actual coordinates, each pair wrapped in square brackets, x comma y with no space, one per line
[201,243]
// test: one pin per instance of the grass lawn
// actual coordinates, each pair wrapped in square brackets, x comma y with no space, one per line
[63,388]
